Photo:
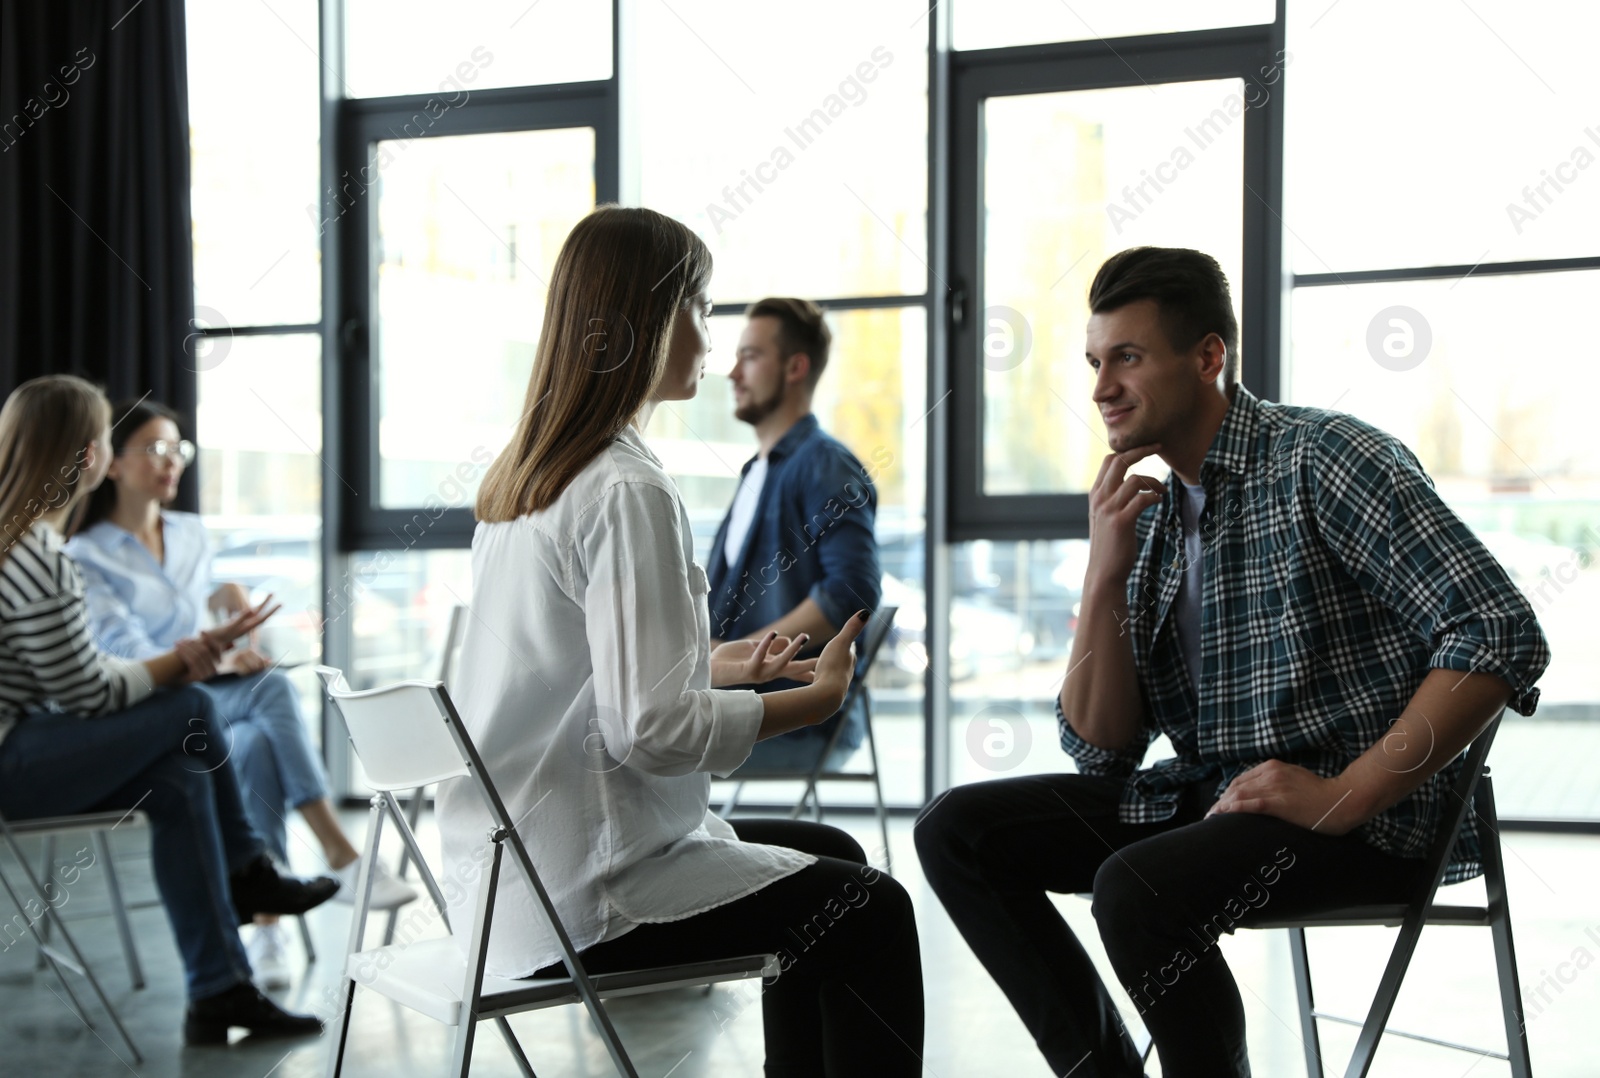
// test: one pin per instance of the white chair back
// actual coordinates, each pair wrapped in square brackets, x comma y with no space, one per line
[401,732]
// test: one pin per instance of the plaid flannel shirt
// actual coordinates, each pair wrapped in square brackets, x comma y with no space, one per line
[1334,579]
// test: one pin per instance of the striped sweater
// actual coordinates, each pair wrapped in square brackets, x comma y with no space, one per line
[47,654]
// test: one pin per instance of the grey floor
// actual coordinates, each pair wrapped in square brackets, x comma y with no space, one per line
[971,1029]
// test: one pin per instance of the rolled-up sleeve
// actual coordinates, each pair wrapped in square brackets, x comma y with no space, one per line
[1094,760]
[1403,546]
[842,500]
[645,618]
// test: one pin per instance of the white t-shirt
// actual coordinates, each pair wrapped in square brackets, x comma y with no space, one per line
[1193,503]
[743,513]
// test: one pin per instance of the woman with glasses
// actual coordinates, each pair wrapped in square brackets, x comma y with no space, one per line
[148,572]
[83,731]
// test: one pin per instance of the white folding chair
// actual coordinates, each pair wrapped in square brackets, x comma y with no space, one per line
[39,911]
[452,642]
[871,643]
[409,735]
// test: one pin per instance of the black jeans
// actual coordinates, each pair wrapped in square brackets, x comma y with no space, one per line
[849,998]
[1163,894]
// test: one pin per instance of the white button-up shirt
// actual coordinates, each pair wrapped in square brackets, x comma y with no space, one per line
[585,682]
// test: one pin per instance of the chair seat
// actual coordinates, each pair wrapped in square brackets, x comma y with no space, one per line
[799,776]
[427,976]
[1390,915]
[87,821]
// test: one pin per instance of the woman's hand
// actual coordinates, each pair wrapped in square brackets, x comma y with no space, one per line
[244,662]
[220,638]
[230,599]
[754,662]
[199,663]
[836,666]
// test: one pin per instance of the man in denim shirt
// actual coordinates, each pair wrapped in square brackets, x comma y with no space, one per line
[796,553]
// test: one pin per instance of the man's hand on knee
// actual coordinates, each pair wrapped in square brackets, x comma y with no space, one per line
[1295,794]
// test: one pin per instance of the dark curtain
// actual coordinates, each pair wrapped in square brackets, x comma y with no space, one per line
[96,275]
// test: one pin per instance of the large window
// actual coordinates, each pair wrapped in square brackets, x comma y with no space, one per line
[258,308]
[1445,304]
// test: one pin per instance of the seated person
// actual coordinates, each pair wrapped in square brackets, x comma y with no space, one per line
[82,731]
[587,684]
[795,554]
[1317,634]
[148,574]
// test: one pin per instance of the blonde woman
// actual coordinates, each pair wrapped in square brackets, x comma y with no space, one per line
[83,731]
[587,680]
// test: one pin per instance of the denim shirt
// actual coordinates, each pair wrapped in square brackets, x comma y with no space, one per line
[137,606]
[811,537]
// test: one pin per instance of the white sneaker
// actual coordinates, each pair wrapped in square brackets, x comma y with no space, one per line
[269,959]
[387,891]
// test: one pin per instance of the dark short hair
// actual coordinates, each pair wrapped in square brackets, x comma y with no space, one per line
[1187,286]
[801,328]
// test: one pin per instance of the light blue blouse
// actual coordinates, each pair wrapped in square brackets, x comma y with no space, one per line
[137,606]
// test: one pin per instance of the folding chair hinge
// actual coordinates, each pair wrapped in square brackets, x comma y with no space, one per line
[498,834]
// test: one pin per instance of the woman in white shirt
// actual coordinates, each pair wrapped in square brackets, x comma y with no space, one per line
[586,680]
[82,731]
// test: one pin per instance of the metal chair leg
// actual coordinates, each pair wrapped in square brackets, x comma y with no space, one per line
[413,817]
[47,868]
[119,909]
[877,789]
[1302,991]
[1405,945]
[516,1047]
[305,940]
[1505,952]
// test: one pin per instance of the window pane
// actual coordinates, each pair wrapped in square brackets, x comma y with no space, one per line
[254,162]
[412,47]
[468,228]
[260,435]
[1013,615]
[1069,179]
[997,23]
[1396,171]
[872,399]
[799,155]
[1428,362]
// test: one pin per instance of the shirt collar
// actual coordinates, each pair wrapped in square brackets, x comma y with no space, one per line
[804,427]
[631,437]
[1231,448]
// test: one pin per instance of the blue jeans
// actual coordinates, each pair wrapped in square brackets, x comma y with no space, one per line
[163,756]
[278,769]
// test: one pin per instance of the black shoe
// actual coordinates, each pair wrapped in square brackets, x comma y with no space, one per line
[209,1019]
[258,888]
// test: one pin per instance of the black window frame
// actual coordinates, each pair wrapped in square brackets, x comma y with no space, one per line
[1243,52]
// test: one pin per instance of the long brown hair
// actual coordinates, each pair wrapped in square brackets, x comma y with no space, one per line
[620,278]
[45,426]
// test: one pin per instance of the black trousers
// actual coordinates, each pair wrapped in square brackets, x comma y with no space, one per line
[1163,894]
[849,998]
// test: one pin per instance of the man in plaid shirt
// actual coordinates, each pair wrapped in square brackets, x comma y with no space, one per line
[1315,632]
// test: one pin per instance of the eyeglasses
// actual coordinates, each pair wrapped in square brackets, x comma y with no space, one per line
[182,452]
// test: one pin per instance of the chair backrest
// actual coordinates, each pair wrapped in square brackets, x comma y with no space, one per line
[402,733]
[869,644]
[1456,810]
[452,642]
